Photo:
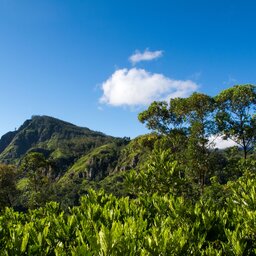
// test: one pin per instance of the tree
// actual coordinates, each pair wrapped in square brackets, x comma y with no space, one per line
[163,117]
[189,122]
[166,120]
[236,118]
[38,171]
[8,190]
[199,113]
[157,117]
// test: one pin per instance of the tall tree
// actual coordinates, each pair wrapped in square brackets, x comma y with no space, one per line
[38,171]
[199,113]
[8,190]
[191,120]
[236,118]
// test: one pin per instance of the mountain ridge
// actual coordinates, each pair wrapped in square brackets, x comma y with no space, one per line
[48,133]
[80,158]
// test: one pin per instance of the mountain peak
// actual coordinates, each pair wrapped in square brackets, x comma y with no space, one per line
[51,134]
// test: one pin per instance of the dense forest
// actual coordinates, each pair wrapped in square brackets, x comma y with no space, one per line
[68,190]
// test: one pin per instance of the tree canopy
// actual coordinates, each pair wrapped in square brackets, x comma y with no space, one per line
[236,118]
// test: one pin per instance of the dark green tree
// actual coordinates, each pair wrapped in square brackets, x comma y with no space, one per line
[236,118]
[38,171]
[189,123]
[157,117]
[166,120]
[199,114]
[8,190]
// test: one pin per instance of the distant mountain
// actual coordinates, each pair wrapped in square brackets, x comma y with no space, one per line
[56,139]
[79,157]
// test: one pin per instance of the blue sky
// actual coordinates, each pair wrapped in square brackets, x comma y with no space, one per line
[70,59]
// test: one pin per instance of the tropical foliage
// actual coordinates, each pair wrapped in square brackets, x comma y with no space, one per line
[72,191]
[149,225]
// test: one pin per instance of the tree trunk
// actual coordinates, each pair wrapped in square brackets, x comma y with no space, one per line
[245,149]
[245,153]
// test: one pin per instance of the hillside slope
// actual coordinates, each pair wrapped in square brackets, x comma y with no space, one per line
[80,158]
[56,139]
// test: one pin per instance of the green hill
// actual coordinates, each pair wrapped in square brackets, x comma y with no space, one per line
[79,157]
[56,139]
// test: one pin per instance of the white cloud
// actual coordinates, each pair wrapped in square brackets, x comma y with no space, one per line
[137,87]
[220,143]
[145,56]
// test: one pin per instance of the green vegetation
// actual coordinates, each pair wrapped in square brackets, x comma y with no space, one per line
[72,191]
[148,225]
[236,118]
[59,140]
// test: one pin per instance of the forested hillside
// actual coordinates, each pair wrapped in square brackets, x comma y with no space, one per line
[73,191]
[54,138]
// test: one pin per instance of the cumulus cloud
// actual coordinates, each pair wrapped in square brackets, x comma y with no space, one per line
[138,87]
[220,143]
[145,56]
